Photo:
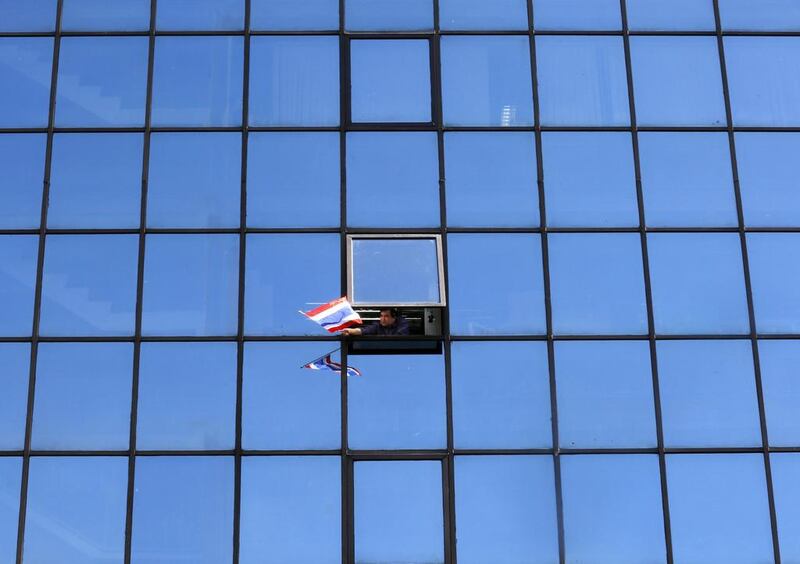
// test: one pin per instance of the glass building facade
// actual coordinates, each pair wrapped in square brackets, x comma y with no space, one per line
[614,186]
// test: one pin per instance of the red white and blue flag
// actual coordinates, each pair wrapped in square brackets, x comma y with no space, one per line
[334,316]
[326,363]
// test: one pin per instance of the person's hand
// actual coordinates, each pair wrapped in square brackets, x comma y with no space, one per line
[348,332]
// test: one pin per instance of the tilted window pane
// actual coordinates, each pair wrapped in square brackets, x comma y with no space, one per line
[18,255]
[780,362]
[491,179]
[506,509]
[14,375]
[187,396]
[286,171]
[501,395]
[775,15]
[785,469]
[26,64]
[106,15]
[576,14]
[668,15]
[510,266]
[95,181]
[775,276]
[698,283]
[597,283]
[687,180]
[605,394]
[183,508]
[195,180]
[76,510]
[83,396]
[669,91]
[398,511]
[293,16]
[392,179]
[32,15]
[486,81]
[22,163]
[476,14]
[191,285]
[612,509]
[708,394]
[191,15]
[294,81]
[198,81]
[285,406]
[101,81]
[589,180]
[718,508]
[10,476]
[582,81]
[397,403]
[413,15]
[291,510]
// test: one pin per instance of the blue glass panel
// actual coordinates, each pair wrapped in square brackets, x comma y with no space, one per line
[195,180]
[89,285]
[501,395]
[83,396]
[291,510]
[285,406]
[708,394]
[390,80]
[687,180]
[506,509]
[101,81]
[779,379]
[183,509]
[477,14]
[287,273]
[670,92]
[582,81]
[491,179]
[698,283]
[95,181]
[768,178]
[774,15]
[191,285]
[496,284]
[589,180]
[392,179]
[576,14]
[398,511]
[190,15]
[106,15]
[764,80]
[597,283]
[605,394]
[287,171]
[785,469]
[10,475]
[775,275]
[18,255]
[293,16]
[198,81]
[25,62]
[294,81]
[388,15]
[668,15]
[32,15]
[486,81]
[187,396]
[14,374]
[22,163]
[398,403]
[612,509]
[718,508]
[76,510]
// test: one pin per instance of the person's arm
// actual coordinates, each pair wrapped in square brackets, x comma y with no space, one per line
[350,331]
[402,326]
[370,329]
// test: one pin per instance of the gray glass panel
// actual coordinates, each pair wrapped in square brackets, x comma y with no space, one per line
[10,476]
[191,15]
[25,62]
[501,395]
[32,15]
[411,15]
[22,163]
[785,469]
[773,15]
[398,512]
[187,396]
[293,15]
[780,363]
[477,14]
[18,255]
[668,15]
[775,275]
[106,15]
[576,14]
[14,375]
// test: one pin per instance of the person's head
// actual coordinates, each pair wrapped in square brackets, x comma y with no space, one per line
[388,316]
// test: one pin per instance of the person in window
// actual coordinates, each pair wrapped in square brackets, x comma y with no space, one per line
[389,323]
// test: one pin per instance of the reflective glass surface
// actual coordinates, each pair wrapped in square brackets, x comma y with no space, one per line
[22,163]
[668,15]
[10,474]
[785,469]
[576,14]
[292,15]
[14,375]
[25,62]
[361,15]
[33,15]
[775,276]
[194,15]
[780,362]
[768,171]
[106,15]
[476,14]
[774,15]
[17,283]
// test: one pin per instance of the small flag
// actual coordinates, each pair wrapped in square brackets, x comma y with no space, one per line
[326,363]
[334,316]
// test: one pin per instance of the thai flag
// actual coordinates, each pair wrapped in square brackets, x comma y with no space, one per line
[334,316]
[326,363]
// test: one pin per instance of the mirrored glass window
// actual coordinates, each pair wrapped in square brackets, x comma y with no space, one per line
[95,181]
[582,81]
[576,14]
[14,375]
[775,276]
[412,15]
[669,15]
[106,15]
[775,15]
[491,179]
[294,81]
[18,254]
[33,15]
[194,180]
[22,163]
[191,285]
[476,14]
[197,81]
[25,62]
[785,469]
[187,396]
[780,363]
[192,15]
[291,15]
[501,395]
[102,81]
[486,80]
[697,283]
[10,475]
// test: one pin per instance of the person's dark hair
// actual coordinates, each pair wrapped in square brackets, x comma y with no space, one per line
[392,311]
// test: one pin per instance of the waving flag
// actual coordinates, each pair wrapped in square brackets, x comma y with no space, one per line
[325,363]
[334,316]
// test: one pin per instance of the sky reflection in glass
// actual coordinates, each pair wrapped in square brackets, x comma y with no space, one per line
[780,362]
[193,15]
[669,15]
[22,163]
[768,171]
[10,476]
[291,15]
[14,375]
[395,15]
[32,15]
[477,14]
[775,276]
[576,14]
[106,15]
[25,62]
[17,284]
